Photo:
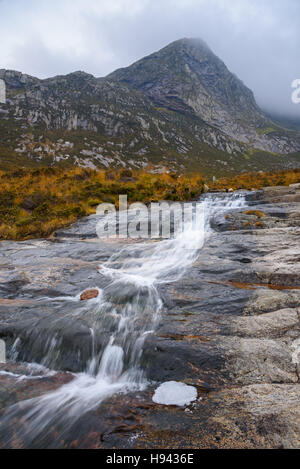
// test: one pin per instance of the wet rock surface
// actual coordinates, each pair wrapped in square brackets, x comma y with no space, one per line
[230,327]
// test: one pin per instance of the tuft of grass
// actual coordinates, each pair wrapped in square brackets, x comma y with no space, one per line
[259,224]
[256,213]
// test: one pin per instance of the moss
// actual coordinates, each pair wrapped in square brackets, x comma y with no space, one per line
[259,224]
[266,130]
[256,213]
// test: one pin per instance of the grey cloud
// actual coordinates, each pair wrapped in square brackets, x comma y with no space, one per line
[258,39]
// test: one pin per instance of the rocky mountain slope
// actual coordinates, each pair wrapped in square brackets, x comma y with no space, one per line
[178,108]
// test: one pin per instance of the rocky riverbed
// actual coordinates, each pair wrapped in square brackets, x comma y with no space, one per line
[229,325]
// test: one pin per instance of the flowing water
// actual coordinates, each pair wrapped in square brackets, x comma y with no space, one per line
[127,309]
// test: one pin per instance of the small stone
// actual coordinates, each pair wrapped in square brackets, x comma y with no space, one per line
[89,294]
[175,393]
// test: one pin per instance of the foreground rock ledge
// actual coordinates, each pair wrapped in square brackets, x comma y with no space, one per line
[230,328]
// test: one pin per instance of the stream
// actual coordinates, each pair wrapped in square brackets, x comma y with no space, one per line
[95,346]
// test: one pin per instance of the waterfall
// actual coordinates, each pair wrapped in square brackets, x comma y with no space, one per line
[128,308]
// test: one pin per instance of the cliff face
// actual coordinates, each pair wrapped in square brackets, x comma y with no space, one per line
[179,107]
[186,76]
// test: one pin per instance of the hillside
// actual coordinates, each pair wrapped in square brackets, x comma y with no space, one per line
[179,108]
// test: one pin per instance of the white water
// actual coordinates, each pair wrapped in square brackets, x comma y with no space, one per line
[129,307]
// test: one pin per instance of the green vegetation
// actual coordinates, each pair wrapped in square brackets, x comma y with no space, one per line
[266,130]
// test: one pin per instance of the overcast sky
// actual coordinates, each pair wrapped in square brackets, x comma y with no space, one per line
[259,40]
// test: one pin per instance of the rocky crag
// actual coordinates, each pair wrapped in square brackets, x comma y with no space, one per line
[179,107]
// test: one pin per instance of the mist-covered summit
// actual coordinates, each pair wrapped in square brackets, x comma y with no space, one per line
[187,76]
[179,107]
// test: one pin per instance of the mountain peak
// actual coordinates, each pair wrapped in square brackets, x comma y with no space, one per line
[185,47]
[180,104]
[189,42]
[187,76]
